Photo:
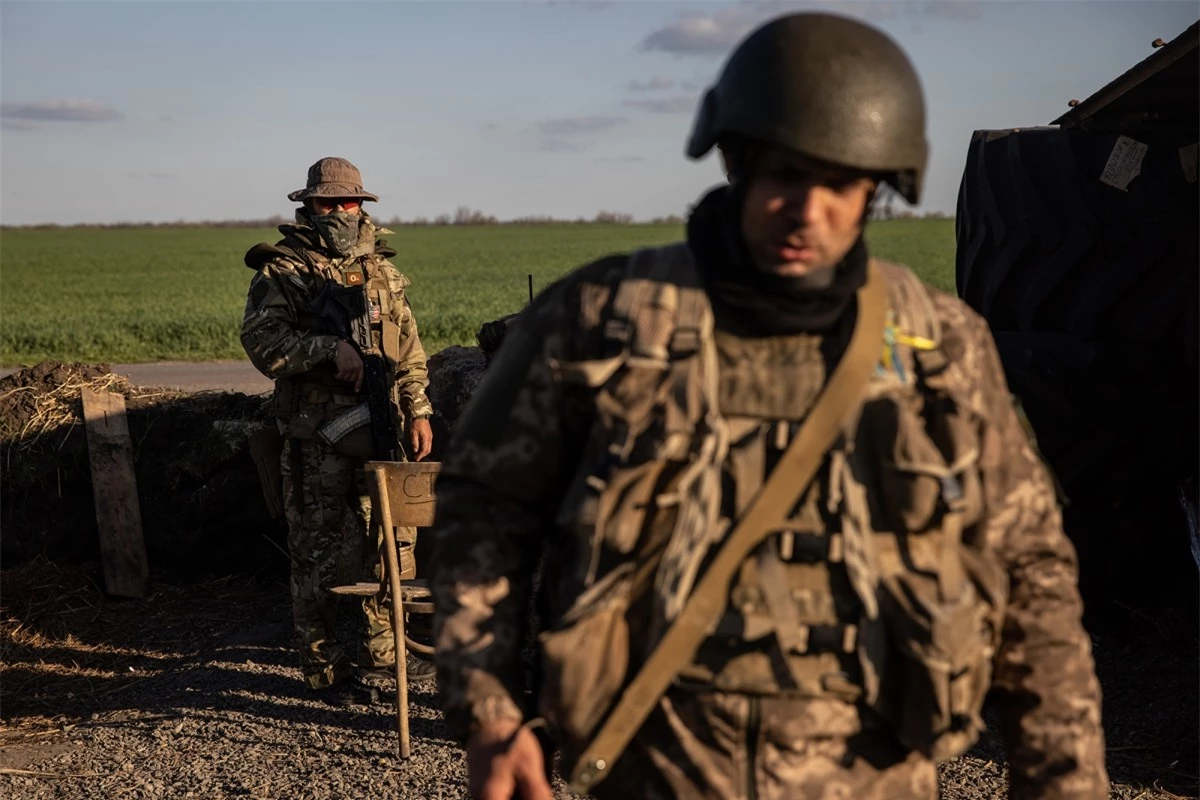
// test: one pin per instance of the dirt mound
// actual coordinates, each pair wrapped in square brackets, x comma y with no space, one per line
[201,500]
[453,375]
[197,486]
[39,399]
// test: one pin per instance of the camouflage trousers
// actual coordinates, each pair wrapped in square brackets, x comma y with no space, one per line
[722,745]
[328,516]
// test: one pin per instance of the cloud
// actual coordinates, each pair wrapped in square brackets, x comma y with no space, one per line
[682,104]
[711,35]
[60,111]
[555,145]
[573,126]
[621,160]
[893,9]
[952,9]
[702,35]
[166,118]
[491,126]
[17,125]
[654,84]
[875,9]
[586,5]
[156,176]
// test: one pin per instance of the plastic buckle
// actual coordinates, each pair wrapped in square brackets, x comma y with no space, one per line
[684,342]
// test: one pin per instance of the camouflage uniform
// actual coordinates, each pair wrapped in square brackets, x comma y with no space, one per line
[325,496]
[504,480]
[544,468]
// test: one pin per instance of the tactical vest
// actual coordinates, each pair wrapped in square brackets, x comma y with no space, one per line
[305,402]
[876,595]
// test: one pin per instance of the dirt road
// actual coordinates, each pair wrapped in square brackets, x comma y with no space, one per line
[187,376]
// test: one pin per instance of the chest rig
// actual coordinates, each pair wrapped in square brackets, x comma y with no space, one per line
[874,592]
[381,292]
[315,398]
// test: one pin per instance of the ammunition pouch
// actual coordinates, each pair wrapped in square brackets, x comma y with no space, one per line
[286,399]
[390,343]
[938,669]
[940,598]
[266,450]
[577,692]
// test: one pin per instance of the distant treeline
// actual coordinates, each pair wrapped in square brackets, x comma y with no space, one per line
[463,216]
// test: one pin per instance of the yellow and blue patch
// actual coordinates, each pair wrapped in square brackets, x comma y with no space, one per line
[893,339]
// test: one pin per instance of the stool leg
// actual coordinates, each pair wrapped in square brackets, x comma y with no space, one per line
[393,570]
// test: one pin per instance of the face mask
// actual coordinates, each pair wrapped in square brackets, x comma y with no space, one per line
[338,229]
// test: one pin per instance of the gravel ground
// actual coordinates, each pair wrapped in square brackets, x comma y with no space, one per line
[193,693]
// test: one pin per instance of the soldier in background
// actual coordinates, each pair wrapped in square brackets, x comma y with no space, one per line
[793,530]
[289,336]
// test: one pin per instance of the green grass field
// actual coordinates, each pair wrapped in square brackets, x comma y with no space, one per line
[127,295]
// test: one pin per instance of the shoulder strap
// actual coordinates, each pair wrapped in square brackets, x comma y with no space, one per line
[289,248]
[655,303]
[658,310]
[766,513]
[263,252]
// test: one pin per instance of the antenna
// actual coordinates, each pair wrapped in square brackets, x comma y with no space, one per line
[531,288]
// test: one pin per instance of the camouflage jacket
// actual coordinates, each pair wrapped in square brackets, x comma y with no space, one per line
[515,454]
[276,328]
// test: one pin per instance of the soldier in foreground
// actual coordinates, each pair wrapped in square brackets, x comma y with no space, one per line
[303,329]
[794,530]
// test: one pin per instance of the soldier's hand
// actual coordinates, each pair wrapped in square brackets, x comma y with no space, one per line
[421,435]
[498,770]
[349,364]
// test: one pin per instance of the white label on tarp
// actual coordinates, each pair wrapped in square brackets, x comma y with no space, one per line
[1187,159]
[1124,163]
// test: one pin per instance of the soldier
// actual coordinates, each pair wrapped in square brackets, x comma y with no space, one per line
[792,530]
[292,337]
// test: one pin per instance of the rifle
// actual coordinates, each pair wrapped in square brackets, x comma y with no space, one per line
[345,312]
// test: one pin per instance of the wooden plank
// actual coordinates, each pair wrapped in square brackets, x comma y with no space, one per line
[114,493]
[266,448]
[362,589]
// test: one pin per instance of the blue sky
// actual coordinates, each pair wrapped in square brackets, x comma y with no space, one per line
[157,111]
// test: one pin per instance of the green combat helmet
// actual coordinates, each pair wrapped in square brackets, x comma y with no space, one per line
[827,87]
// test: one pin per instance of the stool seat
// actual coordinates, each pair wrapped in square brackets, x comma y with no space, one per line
[415,589]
